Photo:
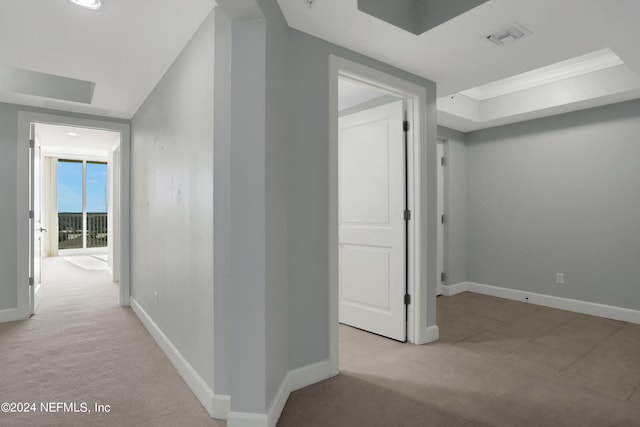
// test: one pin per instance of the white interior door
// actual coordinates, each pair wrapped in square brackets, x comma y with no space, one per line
[35,288]
[440,236]
[371,221]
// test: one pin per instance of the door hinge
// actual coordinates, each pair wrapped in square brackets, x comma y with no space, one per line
[406,126]
[442,219]
[31,214]
[32,143]
[407,215]
[443,277]
[407,299]
[443,161]
[30,281]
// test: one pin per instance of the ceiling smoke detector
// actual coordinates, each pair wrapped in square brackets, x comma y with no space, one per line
[507,35]
[310,2]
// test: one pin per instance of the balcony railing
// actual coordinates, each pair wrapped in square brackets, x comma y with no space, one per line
[70,230]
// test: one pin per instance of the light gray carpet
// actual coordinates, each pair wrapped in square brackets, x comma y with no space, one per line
[83,347]
[88,262]
[498,363]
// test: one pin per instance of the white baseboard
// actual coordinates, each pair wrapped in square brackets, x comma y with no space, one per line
[430,334]
[450,290]
[294,380]
[245,419]
[10,315]
[310,374]
[221,406]
[577,306]
[217,406]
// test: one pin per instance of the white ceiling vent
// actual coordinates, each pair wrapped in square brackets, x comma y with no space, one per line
[508,35]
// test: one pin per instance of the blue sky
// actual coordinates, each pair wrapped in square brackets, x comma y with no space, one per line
[70,187]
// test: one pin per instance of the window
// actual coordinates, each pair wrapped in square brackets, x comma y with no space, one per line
[82,204]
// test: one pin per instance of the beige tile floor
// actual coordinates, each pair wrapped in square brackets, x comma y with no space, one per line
[497,363]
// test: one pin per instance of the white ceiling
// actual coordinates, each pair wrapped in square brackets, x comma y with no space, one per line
[56,139]
[124,48]
[456,54]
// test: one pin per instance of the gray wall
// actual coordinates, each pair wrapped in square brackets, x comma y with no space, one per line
[248,239]
[558,194]
[222,205]
[279,199]
[308,192]
[9,197]
[172,202]
[455,199]
[278,96]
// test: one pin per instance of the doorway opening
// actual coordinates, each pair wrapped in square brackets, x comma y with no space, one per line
[372,202]
[377,213]
[75,202]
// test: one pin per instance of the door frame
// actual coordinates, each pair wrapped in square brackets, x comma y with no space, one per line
[25,119]
[416,100]
[36,168]
[441,213]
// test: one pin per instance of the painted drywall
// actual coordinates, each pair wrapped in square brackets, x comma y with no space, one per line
[172,202]
[278,183]
[416,16]
[308,192]
[433,12]
[575,90]
[455,195]
[248,199]
[258,353]
[222,205]
[401,13]
[8,185]
[277,208]
[558,195]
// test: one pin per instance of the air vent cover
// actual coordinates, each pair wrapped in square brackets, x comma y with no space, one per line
[508,35]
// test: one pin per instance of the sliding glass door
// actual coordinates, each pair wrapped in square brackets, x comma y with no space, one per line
[82,204]
[96,205]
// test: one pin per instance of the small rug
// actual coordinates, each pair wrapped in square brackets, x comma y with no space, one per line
[88,262]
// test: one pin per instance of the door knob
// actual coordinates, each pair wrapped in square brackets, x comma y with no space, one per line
[42,229]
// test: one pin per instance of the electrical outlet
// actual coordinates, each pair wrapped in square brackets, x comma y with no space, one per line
[559,278]
[155,296]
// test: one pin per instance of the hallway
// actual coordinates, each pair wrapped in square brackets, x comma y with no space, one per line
[83,348]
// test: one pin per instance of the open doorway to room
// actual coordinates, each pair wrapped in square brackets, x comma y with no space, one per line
[76,203]
[378,278]
[372,201]
[74,192]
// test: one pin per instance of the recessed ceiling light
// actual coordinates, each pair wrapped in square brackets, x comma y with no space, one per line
[72,133]
[88,4]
